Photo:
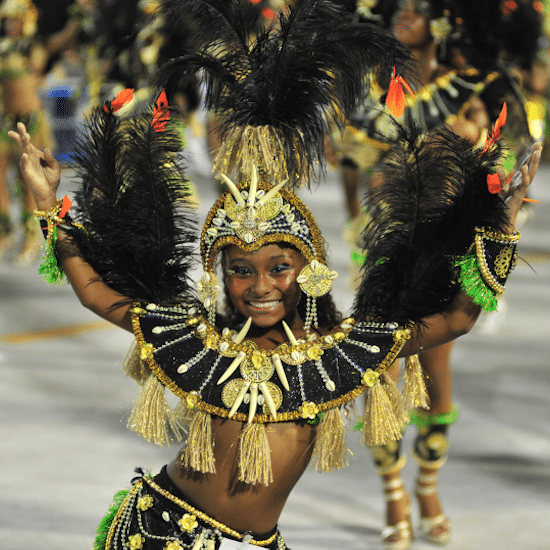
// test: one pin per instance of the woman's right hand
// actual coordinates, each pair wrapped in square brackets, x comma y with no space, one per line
[41,171]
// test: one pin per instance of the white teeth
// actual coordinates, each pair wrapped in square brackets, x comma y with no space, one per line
[264,305]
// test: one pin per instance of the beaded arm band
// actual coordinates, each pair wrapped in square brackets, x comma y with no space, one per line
[483,270]
[49,268]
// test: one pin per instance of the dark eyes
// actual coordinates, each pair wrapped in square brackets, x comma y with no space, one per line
[243,271]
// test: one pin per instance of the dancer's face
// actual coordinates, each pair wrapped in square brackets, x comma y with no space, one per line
[411,22]
[262,284]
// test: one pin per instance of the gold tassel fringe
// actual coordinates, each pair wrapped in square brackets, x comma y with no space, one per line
[390,387]
[379,421]
[151,416]
[134,366]
[415,394]
[330,448]
[198,454]
[255,146]
[255,455]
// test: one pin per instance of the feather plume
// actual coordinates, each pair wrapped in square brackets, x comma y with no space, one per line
[297,76]
[433,196]
[140,231]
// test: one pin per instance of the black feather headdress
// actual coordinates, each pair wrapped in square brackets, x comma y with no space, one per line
[277,93]
[133,200]
[433,196]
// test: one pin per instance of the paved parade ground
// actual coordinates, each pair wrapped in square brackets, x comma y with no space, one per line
[64,403]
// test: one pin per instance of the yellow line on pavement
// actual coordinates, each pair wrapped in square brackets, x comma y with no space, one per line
[52,333]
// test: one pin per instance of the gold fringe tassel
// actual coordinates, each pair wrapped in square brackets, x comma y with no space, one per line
[330,448]
[414,393]
[255,455]
[198,454]
[247,147]
[134,366]
[151,416]
[390,387]
[379,421]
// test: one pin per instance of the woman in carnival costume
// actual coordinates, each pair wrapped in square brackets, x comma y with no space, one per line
[464,87]
[262,385]
[22,61]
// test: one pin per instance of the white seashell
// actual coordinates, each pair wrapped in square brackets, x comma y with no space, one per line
[295,355]
[221,213]
[314,264]
[374,349]
[290,217]
[295,227]
[207,303]
[286,208]
[192,311]
[183,369]
[301,279]
[157,330]
[212,231]
[217,222]
[246,399]
[329,339]
[333,275]
[165,516]
[151,307]
[248,238]
[260,399]
[264,226]
[345,326]
[224,346]
[235,225]
[330,385]
[260,194]
[201,327]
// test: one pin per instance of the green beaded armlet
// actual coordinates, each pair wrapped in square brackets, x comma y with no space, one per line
[483,270]
[49,268]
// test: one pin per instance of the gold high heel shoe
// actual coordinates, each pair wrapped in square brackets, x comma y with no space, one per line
[400,535]
[436,530]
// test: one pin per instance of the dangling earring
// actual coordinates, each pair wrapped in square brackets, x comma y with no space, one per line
[315,280]
[209,289]
[441,29]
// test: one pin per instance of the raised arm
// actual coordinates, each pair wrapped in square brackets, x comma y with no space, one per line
[462,312]
[42,174]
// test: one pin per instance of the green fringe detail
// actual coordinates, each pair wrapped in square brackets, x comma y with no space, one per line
[472,282]
[107,521]
[49,268]
[422,419]
[315,421]
[358,258]
[358,426]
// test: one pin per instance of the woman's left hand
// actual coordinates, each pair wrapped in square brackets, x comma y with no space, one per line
[514,193]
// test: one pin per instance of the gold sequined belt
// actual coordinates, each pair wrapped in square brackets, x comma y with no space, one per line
[146,514]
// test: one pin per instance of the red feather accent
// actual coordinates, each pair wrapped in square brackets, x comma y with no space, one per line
[493,183]
[65,207]
[161,113]
[395,100]
[122,98]
[496,129]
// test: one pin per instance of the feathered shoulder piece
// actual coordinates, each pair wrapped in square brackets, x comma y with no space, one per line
[434,193]
[140,233]
[277,93]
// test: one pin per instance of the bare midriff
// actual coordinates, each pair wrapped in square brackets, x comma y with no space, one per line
[19,94]
[242,507]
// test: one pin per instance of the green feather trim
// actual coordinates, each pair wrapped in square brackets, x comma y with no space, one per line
[49,268]
[472,282]
[423,419]
[107,521]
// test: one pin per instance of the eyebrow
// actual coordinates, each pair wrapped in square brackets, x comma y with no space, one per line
[242,259]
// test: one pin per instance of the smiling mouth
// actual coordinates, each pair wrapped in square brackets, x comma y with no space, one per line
[264,305]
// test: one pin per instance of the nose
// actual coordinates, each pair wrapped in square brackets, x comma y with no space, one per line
[262,285]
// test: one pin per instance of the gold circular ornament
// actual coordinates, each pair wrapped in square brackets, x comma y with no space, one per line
[257,368]
[276,396]
[316,279]
[370,377]
[209,289]
[230,391]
